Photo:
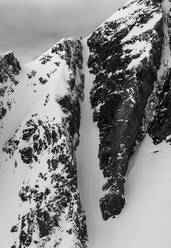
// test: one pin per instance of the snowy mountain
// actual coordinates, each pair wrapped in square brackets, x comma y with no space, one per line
[98,108]
[125,55]
[39,158]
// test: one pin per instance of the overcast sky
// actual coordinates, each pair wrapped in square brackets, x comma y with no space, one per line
[29,27]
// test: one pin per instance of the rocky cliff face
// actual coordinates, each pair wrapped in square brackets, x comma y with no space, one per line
[160,128]
[125,55]
[41,153]
[130,97]
[9,69]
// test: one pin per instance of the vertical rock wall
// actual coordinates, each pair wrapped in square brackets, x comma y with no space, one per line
[125,56]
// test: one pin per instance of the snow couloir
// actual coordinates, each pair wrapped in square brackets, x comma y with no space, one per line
[129,57]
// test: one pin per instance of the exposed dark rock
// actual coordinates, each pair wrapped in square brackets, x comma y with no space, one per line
[128,102]
[9,70]
[43,80]
[14,229]
[45,146]
[45,58]
[124,57]
[31,74]
[160,128]
[2,111]
[70,103]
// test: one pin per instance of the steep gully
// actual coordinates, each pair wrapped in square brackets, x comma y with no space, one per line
[124,112]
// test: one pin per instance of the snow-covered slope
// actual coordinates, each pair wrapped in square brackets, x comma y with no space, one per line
[126,64]
[146,218]
[40,202]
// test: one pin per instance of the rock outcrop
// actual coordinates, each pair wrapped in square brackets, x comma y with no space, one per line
[130,60]
[41,153]
[9,69]
[125,55]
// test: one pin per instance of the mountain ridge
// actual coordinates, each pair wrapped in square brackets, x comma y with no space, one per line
[130,98]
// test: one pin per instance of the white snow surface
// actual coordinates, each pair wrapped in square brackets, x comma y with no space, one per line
[145,222]
[34,101]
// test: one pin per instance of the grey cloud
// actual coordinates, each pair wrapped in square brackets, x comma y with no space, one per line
[31,26]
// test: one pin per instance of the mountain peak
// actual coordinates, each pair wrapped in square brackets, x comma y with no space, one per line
[128,57]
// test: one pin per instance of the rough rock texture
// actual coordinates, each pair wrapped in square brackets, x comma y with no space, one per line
[42,150]
[130,96]
[9,69]
[160,128]
[125,54]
